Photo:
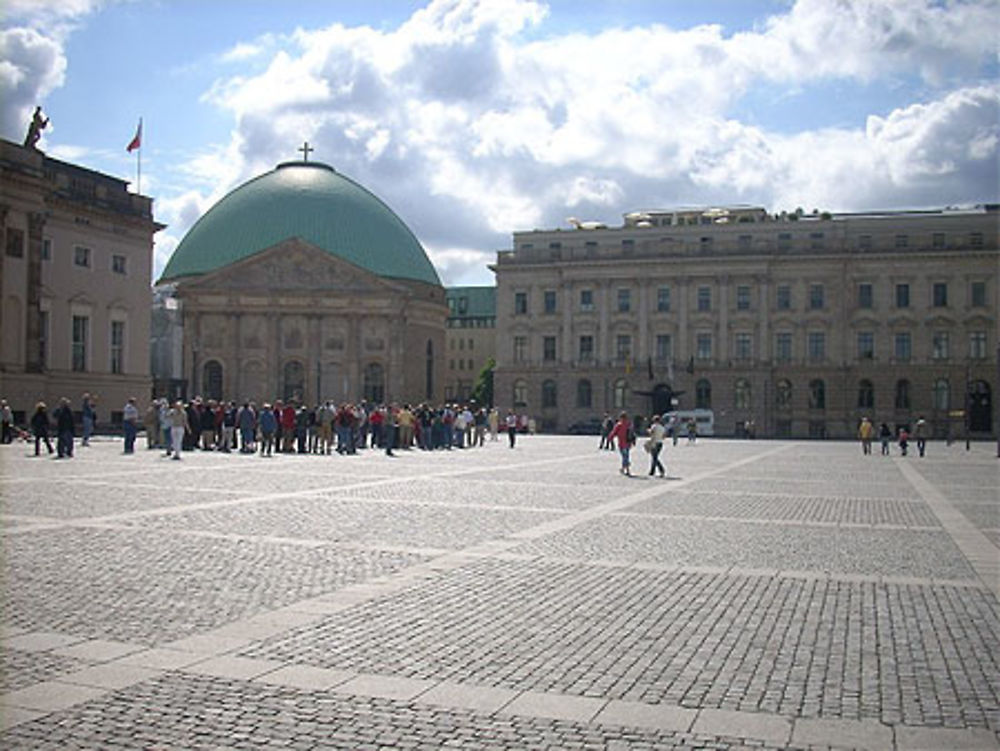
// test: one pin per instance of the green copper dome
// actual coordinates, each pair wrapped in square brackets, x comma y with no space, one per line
[310,201]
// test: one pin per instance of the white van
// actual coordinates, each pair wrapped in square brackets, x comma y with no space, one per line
[703,418]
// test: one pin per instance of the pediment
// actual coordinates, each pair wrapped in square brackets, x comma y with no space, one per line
[290,266]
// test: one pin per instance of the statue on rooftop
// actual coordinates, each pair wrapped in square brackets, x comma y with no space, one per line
[38,124]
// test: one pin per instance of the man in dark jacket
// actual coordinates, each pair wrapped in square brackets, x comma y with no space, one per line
[65,430]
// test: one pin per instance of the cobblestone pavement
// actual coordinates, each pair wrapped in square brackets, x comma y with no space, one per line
[766,595]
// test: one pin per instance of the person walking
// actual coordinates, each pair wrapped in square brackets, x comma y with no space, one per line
[920,433]
[65,430]
[177,419]
[904,440]
[622,432]
[130,424]
[884,436]
[865,432]
[511,424]
[40,427]
[89,415]
[607,425]
[494,423]
[657,434]
[6,422]
[151,422]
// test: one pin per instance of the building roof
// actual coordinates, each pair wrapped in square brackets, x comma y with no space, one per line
[481,302]
[311,201]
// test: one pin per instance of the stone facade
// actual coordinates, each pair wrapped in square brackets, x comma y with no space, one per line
[75,274]
[295,322]
[797,324]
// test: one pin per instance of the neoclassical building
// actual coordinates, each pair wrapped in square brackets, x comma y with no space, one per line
[470,338]
[74,284]
[301,284]
[801,324]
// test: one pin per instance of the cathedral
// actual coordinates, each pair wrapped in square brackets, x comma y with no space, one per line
[302,285]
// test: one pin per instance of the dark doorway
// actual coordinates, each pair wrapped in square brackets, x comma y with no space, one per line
[662,396]
[980,407]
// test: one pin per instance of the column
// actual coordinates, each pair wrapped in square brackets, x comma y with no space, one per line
[603,335]
[353,387]
[682,348]
[235,365]
[32,339]
[764,317]
[722,350]
[642,350]
[271,383]
[567,323]
[4,209]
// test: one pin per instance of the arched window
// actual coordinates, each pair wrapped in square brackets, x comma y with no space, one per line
[211,380]
[902,394]
[619,396]
[866,394]
[783,394]
[520,394]
[429,371]
[374,383]
[942,394]
[817,394]
[703,394]
[742,394]
[295,380]
[548,394]
[584,393]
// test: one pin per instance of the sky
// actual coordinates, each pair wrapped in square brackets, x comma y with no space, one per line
[474,119]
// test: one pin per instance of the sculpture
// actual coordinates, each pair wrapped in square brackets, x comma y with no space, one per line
[38,124]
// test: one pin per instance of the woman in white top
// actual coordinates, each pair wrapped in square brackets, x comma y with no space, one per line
[655,444]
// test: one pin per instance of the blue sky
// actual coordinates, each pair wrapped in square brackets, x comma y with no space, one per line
[476,118]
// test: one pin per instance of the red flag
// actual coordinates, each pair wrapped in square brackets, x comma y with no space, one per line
[136,142]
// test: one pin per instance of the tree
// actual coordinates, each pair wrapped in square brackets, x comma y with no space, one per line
[482,392]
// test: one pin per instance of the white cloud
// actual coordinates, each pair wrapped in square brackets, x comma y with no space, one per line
[31,66]
[471,130]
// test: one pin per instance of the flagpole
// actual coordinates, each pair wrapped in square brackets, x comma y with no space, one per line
[138,162]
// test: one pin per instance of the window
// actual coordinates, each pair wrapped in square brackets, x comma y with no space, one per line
[81,256]
[745,242]
[902,295]
[623,347]
[549,301]
[703,394]
[520,348]
[461,343]
[43,339]
[866,394]
[664,347]
[15,242]
[584,393]
[211,380]
[977,345]
[47,249]
[902,346]
[744,347]
[118,346]
[864,242]
[586,299]
[902,241]
[939,345]
[977,294]
[663,300]
[624,300]
[783,394]
[548,394]
[741,394]
[81,331]
[942,394]
[520,393]
[628,246]
[619,394]
[520,303]
[937,240]
[703,346]
[816,240]
[902,400]
[784,241]
[704,298]
[463,305]
[817,346]
[784,301]
[706,244]
[939,294]
[549,349]
[118,264]
[976,239]
[743,297]
[783,346]
[817,394]
[815,296]
[866,345]
[586,348]
[865,296]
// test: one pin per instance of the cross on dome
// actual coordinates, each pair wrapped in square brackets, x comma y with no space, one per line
[306,148]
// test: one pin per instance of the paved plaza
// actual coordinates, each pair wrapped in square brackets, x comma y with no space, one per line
[766,595]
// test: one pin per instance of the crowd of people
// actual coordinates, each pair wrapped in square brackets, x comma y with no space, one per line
[867,432]
[327,428]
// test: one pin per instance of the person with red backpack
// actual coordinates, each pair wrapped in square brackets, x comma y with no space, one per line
[625,435]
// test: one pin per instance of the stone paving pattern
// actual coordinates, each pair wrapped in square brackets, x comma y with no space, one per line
[775,595]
